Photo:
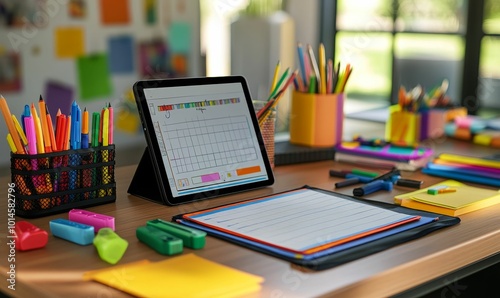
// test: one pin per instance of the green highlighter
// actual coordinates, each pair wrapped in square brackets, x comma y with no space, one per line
[110,246]
[191,238]
[161,241]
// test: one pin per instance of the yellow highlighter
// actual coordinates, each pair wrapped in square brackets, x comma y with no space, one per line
[322,66]
[40,148]
[19,130]
[12,146]
[105,152]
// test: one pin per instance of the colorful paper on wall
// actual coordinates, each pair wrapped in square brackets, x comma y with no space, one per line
[179,37]
[93,76]
[77,9]
[10,71]
[153,59]
[121,54]
[115,12]
[22,14]
[58,96]
[150,11]
[127,118]
[69,42]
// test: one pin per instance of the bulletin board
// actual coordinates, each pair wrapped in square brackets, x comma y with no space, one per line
[93,52]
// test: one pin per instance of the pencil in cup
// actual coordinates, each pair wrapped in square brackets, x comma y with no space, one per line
[105,173]
[267,129]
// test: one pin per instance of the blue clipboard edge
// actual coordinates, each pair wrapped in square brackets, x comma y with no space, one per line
[356,252]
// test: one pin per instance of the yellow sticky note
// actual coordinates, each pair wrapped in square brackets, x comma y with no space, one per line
[183,276]
[69,42]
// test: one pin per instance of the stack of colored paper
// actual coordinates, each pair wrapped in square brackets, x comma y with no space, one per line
[182,276]
[458,198]
[383,154]
[465,168]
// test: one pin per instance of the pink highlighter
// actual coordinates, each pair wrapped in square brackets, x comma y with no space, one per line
[96,220]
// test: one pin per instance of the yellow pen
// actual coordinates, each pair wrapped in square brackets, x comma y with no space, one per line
[275,77]
[19,130]
[105,152]
[43,124]
[322,66]
[38,130]
[105,128]
[12,146]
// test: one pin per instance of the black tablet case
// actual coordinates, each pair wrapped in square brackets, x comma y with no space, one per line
[144,184]
[363,250]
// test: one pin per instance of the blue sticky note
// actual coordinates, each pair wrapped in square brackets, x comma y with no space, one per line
[179,37]
[121,54]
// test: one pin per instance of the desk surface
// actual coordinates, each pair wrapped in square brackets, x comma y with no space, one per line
[56,270]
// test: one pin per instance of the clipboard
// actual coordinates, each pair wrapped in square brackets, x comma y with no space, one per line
[330,258]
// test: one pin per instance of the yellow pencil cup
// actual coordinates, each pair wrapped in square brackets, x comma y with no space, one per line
[316,120]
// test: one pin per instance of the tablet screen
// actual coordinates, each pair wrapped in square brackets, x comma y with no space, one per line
[204,137]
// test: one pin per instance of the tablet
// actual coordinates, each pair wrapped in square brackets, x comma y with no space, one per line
[203,137]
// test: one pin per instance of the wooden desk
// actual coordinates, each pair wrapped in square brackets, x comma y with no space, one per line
[56,270]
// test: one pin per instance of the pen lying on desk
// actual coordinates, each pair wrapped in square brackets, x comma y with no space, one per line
[352,179]
[384,181]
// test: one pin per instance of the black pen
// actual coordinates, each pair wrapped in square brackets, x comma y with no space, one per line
[416,184]
[347,182]
[387,175]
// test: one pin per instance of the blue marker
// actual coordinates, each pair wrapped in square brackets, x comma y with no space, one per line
[372,187]
[74,119]
[26,113]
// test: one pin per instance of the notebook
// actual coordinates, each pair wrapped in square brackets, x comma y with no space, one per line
[387,156]
[463,199]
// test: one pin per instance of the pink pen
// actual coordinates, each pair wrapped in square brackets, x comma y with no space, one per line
[29,125]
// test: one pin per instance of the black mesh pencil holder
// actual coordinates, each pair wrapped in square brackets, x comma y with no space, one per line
[55,182]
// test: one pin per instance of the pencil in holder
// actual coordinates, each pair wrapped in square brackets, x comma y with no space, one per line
[410,127]
[267,129]
[316,120]
[56,182]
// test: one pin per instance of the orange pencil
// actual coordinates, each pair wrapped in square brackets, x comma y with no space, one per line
[10,125]
[43,122]
[67,132]
[50,128]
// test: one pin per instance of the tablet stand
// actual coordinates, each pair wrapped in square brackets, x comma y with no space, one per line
[143,185]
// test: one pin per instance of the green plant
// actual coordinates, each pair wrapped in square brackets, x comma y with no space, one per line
[262,7]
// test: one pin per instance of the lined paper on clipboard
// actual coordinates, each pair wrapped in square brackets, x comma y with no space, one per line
[302,221]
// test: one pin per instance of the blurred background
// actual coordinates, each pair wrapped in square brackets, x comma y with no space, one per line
[93,51]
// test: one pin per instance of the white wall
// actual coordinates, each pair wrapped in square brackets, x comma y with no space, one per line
[39,62]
